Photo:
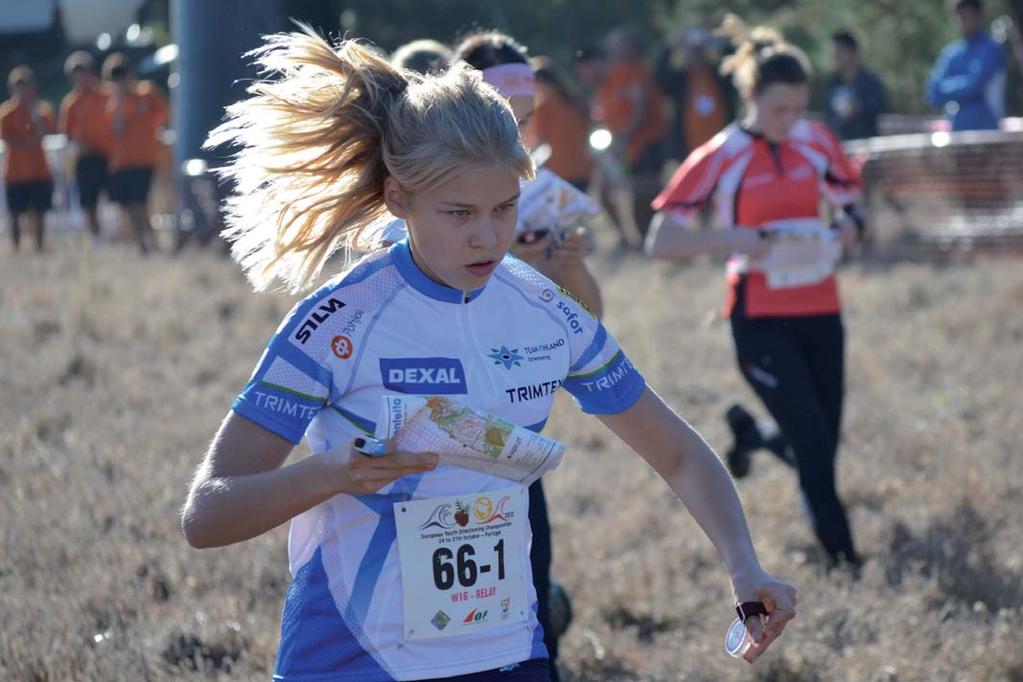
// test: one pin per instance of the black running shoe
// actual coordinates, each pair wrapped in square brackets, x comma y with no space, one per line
[746,439]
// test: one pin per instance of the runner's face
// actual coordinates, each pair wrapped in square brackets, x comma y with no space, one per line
[460,231]
[779,107]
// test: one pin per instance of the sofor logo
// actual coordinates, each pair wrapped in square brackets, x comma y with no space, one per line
[342,347]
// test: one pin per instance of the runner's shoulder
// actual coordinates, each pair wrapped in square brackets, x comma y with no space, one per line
[546,295]
[344,301]
[532,284]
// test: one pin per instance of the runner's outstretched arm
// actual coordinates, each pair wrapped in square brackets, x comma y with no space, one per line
[692,470]
[241,490]
[670,239]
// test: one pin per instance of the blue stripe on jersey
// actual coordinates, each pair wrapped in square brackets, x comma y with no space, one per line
[599,339]
[383,538]
[293,355]
[365,337]
[285,350]
[314,636]
[361,422]
[610,389]
[372,563]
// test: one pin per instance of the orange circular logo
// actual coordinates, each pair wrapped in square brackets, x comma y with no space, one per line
[342,347]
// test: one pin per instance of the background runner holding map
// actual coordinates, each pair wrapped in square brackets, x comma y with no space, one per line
[767,177]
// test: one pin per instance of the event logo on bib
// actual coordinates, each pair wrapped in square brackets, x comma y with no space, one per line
[423,376]
[484,511]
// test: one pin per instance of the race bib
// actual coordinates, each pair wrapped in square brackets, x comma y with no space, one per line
[803,253]
[463,562]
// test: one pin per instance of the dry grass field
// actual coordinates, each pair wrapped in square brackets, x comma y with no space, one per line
[114,373]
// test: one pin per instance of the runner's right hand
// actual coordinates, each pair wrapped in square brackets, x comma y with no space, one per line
[359,474]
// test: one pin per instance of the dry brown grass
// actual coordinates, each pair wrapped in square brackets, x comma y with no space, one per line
[116,371]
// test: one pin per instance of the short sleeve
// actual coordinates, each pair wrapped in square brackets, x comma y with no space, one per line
[693,184]
[601,378]
[292,381]
[843,184]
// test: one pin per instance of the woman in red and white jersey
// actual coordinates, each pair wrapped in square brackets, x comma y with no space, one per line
[766,177]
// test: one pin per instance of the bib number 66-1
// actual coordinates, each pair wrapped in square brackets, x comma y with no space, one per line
[460,564]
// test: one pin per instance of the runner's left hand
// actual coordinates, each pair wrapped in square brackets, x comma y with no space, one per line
[780,600]
[572,249]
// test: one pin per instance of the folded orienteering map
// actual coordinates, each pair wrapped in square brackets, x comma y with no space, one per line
[464,437]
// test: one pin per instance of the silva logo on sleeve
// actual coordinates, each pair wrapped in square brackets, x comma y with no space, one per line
[318,317]
[423,376]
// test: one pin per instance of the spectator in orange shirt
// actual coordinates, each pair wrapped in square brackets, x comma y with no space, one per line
[83,119]
[561,122]
[135,112]
[633,110]
[703,100]
[24,120]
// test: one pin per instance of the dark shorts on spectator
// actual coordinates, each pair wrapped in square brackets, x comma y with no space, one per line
[92,178]
[130,185]
[30,196]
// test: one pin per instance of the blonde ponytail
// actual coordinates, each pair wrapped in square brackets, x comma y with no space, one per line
[318,137]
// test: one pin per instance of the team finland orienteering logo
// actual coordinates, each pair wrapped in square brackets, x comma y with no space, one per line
[503,356]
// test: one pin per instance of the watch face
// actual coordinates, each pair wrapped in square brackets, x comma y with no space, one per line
[735,639]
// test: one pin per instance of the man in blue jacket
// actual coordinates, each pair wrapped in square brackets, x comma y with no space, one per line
[968,80]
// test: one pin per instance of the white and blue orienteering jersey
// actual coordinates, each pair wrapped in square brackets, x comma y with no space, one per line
[381,328]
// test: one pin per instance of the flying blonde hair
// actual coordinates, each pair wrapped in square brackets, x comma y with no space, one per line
[317,141]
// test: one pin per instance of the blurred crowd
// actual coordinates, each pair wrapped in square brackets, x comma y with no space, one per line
[615,122]
[111,121]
